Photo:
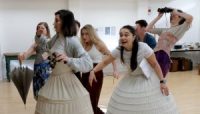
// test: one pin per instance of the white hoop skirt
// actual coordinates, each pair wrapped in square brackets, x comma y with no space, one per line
[63,94]
[135,94]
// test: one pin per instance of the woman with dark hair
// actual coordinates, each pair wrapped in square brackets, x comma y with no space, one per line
[63,93]
[135,93]
[180,23]
[78,25]
[41,67]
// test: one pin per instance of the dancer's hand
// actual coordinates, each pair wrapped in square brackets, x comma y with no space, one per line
[116,74]
[61,57]
[92,77]
[164,89]
[21,57]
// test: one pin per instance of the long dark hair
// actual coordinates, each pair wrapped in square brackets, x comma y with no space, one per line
[182,18]
[68,22]
[133,61]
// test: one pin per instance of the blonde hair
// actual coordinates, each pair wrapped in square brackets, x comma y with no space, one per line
[94,38]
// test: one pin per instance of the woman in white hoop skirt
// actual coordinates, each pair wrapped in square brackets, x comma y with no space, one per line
[63,93]
[136,93]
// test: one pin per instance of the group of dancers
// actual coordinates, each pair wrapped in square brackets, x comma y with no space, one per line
[74,84]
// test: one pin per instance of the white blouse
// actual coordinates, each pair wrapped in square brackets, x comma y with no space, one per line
[95,55]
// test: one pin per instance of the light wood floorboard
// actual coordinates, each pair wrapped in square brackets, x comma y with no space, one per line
[185,86]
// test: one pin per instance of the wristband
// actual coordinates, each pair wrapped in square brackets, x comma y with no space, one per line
[163,81]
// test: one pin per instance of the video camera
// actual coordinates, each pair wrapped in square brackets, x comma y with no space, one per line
[53,61]
[165,10]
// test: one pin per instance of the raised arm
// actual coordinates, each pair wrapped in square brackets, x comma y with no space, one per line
[188,17]
[152,23]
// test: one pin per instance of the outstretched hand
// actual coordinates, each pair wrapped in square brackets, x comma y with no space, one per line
[21,57]
[116,74]
[92,77]
[164,89]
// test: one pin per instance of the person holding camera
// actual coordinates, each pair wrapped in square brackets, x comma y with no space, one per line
[179,23]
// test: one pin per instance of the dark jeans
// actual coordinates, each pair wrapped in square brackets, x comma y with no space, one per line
[95,90]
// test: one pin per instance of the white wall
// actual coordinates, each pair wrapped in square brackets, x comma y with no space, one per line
[18,22]
[105,13]
[142,9]
[1,36]
[19,17]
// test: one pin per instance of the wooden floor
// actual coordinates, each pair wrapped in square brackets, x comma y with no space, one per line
[185,86]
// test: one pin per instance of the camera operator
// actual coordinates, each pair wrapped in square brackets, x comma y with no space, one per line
[179,23]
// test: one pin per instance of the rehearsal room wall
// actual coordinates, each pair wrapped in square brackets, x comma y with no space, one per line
[1,35]
[19,17]
[18,20]
[105,13]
